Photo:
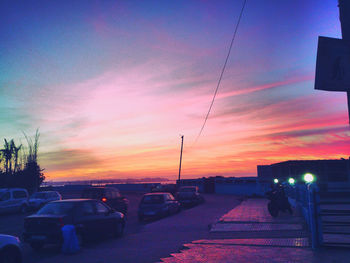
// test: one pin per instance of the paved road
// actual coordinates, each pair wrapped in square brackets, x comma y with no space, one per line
[142,242]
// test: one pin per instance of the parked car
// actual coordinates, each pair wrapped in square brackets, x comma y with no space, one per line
[10,249]
[189,195]
[155,205]
[13,200]
[165,188]
[39,199]
[91,218]
[109,195]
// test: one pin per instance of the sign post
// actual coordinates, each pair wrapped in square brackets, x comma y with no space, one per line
[333,58]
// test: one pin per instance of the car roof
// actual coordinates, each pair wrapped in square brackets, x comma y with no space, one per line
[100,188]
[73,200]
[157,193]
[12,189]
[47,192]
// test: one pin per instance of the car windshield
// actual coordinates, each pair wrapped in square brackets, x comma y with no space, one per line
[188,189]
[59,208]
[93,193]
[39,195]
[153,199]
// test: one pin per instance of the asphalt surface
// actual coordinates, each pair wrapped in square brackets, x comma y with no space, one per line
[142,242]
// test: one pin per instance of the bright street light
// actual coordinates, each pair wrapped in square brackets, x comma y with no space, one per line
[291,181]
[275,181]
[309,178]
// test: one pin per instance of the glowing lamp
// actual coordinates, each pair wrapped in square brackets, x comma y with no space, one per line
[291,181]
[309,178]
[104,199]
[275,181]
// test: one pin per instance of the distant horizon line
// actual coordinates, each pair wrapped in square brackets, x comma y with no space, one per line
[134,180]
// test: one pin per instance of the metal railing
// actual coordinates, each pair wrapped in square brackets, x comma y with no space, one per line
[307,199]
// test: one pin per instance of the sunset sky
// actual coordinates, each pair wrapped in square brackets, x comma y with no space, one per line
[111,85]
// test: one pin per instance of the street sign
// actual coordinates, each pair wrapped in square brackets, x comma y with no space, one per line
[333,64]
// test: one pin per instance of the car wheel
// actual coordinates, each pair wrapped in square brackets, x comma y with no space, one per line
[119,229]
[24,209]
[11,255]
[36,246]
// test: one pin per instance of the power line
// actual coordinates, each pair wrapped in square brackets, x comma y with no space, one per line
[222,71]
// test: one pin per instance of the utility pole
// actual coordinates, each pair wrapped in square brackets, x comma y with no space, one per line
[344,16]
[182,143]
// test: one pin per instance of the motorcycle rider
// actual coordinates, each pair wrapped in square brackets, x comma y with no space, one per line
[278,198]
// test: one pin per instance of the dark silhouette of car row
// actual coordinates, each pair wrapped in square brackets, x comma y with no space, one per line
[160,204]
[189,196]
[18,200]
[156,205]
[100,212]
[109,195]
[91,219]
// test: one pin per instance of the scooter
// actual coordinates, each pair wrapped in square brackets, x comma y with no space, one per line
[278,202]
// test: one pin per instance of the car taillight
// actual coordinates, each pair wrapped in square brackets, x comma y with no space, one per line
[104,199]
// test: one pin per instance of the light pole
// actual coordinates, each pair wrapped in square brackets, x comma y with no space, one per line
[182,143]
[314,221]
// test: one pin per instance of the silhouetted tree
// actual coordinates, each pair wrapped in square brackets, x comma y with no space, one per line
[7,154]
[21,170]
[15,155]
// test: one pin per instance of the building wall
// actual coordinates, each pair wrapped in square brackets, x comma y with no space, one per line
[248,189]
[329,173]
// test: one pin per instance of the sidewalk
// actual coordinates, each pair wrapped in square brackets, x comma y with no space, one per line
[249,234]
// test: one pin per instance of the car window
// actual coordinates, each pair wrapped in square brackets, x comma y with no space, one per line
[117,193]
[153,199]
[92,193]
[108,194]
[39,195]
[6,196]
[100,208]
[188,189]
[112,194]
[87,208]
[19,194]
[59,208]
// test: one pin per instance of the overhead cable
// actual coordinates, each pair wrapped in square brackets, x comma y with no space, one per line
[222,71]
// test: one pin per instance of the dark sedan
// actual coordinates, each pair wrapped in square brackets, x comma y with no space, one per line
[155,205]
[91,219]
[189,196]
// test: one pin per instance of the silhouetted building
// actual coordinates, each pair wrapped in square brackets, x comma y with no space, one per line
[334,173]
[226,185]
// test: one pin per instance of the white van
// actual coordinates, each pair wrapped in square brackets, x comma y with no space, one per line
[13,200]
